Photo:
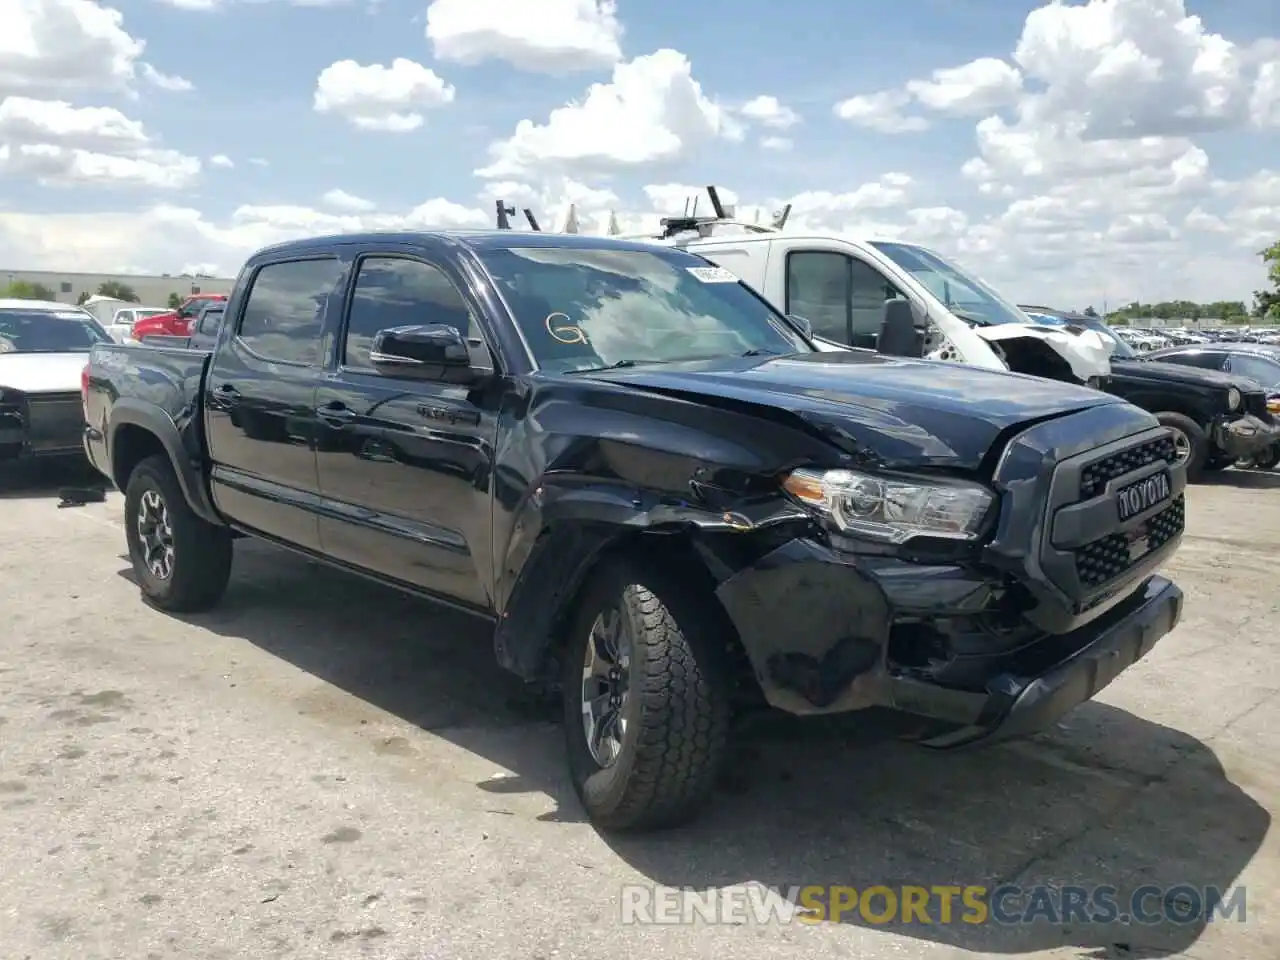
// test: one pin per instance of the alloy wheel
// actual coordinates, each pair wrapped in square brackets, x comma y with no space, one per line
[155,534]
[606,679]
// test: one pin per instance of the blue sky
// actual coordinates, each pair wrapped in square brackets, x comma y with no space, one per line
[254,66]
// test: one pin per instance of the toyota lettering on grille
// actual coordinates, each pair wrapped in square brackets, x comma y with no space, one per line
[1143,495]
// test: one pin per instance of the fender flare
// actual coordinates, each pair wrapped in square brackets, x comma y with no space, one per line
[561,532]
[130,412]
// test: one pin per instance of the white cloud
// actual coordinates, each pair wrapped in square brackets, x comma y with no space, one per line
[57,144]
[221,160]
[652,112]
[346,202]
[57,47]
[881,112]
[769,112]
[974,88]
[780,144]
[164,238]
[375,97]
[165,81]
[1264,104]
[550,36]
[1132,68]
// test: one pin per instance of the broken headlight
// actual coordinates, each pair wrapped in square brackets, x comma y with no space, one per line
[892,509]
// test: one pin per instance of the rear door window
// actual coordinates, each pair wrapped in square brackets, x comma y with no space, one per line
[283,317]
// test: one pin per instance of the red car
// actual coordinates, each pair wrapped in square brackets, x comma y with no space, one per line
[178,322]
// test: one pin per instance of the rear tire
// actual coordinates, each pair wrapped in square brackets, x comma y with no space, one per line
[658,766]
[1189,440]
[181,562]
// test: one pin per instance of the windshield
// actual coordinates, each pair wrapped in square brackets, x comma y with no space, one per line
[32,331]
[964,295]
[582,308]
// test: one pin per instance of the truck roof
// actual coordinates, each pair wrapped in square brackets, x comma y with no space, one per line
[473,239]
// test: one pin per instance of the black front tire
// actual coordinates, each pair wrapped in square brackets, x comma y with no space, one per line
[677,713]
[201,559]
[1196,437]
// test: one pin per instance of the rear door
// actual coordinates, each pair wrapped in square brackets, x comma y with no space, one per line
[260,399]
[405,463]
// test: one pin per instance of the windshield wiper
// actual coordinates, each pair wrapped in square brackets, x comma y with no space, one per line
[621,364]
[759,352]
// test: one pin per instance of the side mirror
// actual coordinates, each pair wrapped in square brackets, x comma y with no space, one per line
[899,335]
[802,324]
[429,351]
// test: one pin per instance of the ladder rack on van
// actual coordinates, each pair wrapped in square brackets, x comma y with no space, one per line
[675,230]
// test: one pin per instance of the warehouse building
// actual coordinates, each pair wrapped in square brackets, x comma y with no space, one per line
[152,291]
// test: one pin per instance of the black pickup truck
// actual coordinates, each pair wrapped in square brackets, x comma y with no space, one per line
[1216,418]
[666,501]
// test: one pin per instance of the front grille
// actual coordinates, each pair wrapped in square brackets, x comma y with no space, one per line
[1097,475]
[54,420]
[1109,557]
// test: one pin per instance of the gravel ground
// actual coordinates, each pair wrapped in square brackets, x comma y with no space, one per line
[324,768]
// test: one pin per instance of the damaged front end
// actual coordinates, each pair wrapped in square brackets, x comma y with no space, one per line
[992,635]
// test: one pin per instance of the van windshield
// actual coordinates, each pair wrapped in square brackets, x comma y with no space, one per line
[964,295]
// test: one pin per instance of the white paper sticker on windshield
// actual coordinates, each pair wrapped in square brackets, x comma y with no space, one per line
[713,274]
[70,315]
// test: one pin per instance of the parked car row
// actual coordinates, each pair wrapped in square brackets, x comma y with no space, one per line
[1218,414]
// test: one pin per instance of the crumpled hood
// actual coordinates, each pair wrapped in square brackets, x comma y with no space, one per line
[42,372]
[1177,373]
[889,410]
[1087,352]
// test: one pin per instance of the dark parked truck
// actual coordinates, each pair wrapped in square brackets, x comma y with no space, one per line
[1216,418]
[663,498]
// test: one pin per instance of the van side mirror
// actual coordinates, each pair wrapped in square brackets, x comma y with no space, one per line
[899,335]
[429,351]
[802,324]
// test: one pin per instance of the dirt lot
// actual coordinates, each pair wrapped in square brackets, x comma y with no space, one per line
[323,768]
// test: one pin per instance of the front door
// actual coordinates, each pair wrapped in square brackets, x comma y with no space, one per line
[841,295]
[260,402]
[404,463]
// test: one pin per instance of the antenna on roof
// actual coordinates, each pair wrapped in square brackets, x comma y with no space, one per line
[504,215]
[533,221]
[780,218]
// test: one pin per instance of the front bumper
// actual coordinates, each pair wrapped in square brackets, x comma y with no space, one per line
[1018,703]
[1245,436]
[40,425]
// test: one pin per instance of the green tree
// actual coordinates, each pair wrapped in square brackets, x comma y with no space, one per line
[175,301]
[118,290]
[1090,312]
[25,290]
[1266,303]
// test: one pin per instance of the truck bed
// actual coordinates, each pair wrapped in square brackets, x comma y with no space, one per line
[143,375]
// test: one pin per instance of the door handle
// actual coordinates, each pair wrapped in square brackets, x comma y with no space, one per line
[225,396]
[336,413]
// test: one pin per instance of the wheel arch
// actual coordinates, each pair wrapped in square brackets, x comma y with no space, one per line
[138,431]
